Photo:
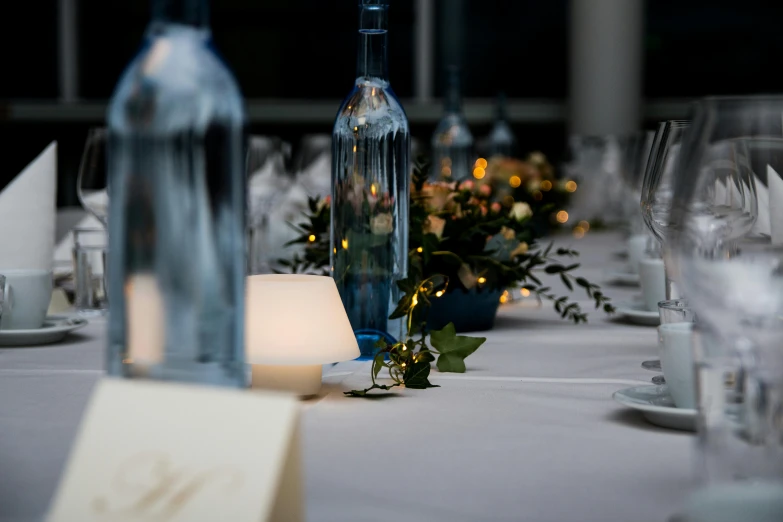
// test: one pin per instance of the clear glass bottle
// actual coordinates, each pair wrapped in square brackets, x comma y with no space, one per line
[501,138]
[176,127]
[370,189]
[452,142]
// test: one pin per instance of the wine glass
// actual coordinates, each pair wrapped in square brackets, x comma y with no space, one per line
[267,181]
[636,153]
[657,186]
[92,182]
[733,278]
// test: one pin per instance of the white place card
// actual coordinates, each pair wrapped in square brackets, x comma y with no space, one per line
[151,451]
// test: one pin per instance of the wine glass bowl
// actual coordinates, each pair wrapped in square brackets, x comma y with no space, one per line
[92,182]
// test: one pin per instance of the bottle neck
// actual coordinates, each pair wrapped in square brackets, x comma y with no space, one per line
[453,99]
[500,110]
[193,13]
[373,30]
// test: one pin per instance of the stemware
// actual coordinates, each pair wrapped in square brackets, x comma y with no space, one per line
[636,149]
[657,186]
[733,278]
[267,180]
[92,182]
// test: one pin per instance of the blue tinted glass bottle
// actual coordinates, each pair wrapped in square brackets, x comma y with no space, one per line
[370,189]
[452,142]
[176,223]
[501,138]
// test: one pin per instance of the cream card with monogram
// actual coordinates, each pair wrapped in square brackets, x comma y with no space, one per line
[150,451]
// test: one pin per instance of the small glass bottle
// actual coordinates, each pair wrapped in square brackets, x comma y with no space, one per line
[501,138]
[176,127]
[452,142]
[370,190]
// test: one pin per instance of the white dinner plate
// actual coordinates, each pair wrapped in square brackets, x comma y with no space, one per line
[636,313]
[621,278]
[657,406]
[54,330]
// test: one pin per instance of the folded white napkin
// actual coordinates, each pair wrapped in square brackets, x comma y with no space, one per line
[27,214]
[775,185]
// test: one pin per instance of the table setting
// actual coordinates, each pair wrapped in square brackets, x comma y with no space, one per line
[223,333]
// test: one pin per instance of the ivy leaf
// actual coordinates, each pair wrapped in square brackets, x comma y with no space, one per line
[416,375]
[425,355]
[378,364]
[453,348]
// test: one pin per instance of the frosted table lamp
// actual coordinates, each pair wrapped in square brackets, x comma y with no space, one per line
[293,325]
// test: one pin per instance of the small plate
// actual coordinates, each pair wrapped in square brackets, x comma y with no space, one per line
[637,314]
[657,406]
[54,330]
[621,278]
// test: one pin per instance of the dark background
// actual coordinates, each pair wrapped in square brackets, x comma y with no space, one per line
[305,50]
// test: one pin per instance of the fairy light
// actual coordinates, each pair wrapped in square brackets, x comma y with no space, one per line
[354,149]
[403,365]
[570,186]
[415,300]
[311,238]
[538,195]
[479,173]
[515,181]
[373,189]
[420,250]
[503,299]
[579,232]
[524,292]
[345,244]
[546,185]
[335,250]
[585,225]
[439,293]
[482,280]
[562,216]
[481,163]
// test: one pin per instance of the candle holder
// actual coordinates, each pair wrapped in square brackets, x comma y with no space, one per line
[294,324]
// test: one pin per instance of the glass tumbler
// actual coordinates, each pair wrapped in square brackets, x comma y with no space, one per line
[89,268]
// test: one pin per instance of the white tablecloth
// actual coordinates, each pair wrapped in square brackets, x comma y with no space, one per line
[528,433]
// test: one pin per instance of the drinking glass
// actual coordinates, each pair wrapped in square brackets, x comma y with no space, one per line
[676,311]
[636,153]
[734,282]
[91,182]
[89,263]
[267,179]
[657,186]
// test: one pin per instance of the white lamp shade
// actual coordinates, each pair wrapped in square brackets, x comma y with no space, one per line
[293,319]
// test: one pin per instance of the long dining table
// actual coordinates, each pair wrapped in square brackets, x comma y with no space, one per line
[529,433]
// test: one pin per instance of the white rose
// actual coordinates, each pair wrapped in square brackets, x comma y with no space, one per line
[520,211]
[382,224]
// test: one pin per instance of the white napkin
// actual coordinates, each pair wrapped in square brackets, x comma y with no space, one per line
[762,224]
[27,213]
[775,185]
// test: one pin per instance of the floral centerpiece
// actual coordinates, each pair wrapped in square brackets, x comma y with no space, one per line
[463,242]
[479,243]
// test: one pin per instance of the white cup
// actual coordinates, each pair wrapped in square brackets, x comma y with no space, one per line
[652,280]
[674,349]
[27,296]
[637,250]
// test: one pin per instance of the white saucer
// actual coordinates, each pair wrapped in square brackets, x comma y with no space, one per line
[54,329]
[657,406]
[621,278]
[636,313]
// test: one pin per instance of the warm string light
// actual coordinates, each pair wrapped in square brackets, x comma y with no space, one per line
[311,238]
[515,181]
[570,186]
[481,163]
[546,185]
[479,173]
[345,244]
[584,224]
[504,297]
[482,280]
[579,232]
[562,216]
[373,189]
[420,250]
[439,293]
[524,292]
